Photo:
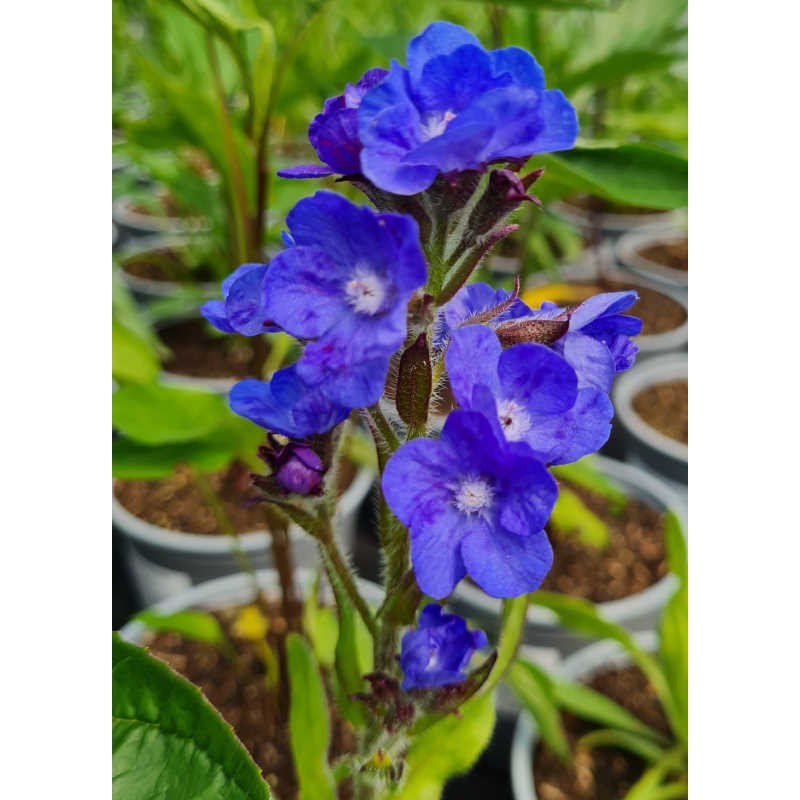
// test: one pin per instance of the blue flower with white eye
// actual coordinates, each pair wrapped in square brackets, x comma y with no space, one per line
[474,504]
[531,391]
[458,107]
[437,652]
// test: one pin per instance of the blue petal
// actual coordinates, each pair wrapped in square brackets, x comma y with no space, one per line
[304,292]
[520,64]
[472,359]
[537,377]
[214,312]
[590,359]
[302,171]
[334,136]
[435,553]
[505,565]
[437,39]
[601,305]
[245,304]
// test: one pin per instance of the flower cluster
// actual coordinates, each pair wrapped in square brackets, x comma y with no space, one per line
[455,107]
[378,327]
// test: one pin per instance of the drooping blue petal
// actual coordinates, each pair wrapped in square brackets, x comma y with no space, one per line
[242,308]
[505,565]
[214,312]
[302,171]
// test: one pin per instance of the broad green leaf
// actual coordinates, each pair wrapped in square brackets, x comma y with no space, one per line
[198,625]
[675,544]
[134,461]
[536,691]
[133,359]
[321,626]
[586,703]
[674,652]
[157,415]
[632,174]
[583,473]
[309,722]
[641,746]
[582,617]
[448,748]
[168,742]
[511,625]
[571,516]
[618,67]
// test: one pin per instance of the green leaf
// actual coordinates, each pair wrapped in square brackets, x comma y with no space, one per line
[632,174]
[641,746]
[650,786]
[134,461]
[133,359]
[586,703]
[675,544]
[536,691]
[445,749]
[321,626]
[157,415]
[309,722]
[674,652]
[571,516]
[583,473]
[198,625]
[562,5]
[582,617]
[168,742]
[618,67]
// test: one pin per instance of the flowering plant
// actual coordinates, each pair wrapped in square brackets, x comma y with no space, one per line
[470,395]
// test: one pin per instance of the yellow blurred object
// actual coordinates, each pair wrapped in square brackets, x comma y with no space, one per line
[560,293]
[250,623]
[380,760]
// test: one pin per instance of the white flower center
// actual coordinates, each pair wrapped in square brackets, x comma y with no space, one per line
[514,419]
[365,291]
[435,124]
[473,495]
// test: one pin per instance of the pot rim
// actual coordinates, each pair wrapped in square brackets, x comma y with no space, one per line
[214,593]
[581,664]
[123,213]
[615,222]
[659,369]
[625,608]
[204,544]
[154,243]
[586,270]
[627,251]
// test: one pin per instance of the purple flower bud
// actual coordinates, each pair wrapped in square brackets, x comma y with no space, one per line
[438,651]
[296,467]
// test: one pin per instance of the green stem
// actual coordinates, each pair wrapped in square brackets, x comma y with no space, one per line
[390,440]
[511,627]
[235,176]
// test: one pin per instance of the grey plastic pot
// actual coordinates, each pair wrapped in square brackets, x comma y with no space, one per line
[164,561]
[628,250]
[612,226]
[644,444]
[235,590]
[138,223]
[599,261]
[638,612]
[581,666]
[146,290]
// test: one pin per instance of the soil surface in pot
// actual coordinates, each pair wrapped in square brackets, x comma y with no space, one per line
[178,503]
[168,265]
[674,254]
[604,773]
[237,688]
[633,560]
[665,407]
[197,352]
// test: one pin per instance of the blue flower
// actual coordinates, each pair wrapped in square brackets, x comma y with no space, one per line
[438,650]
[241,309]
[456,107]
[286,404]
[344,286]
[334,132]
[531,391]
[474,504]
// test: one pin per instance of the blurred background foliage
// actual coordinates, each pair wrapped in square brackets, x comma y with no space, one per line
[211,97]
